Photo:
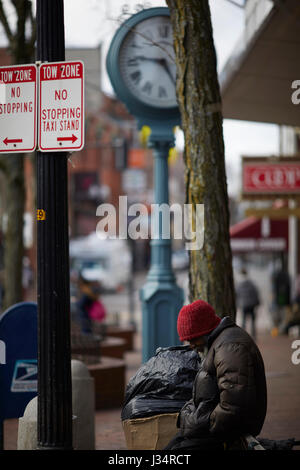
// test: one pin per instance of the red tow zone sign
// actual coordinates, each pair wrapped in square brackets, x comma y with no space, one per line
[18,116]
[61,106]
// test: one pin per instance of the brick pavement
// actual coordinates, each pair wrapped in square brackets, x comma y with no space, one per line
[283,382]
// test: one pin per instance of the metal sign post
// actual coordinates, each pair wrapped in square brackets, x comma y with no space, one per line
[54,351]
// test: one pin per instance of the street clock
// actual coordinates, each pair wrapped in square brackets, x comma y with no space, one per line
[141,66]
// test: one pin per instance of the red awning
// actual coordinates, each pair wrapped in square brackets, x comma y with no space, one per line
[259,235]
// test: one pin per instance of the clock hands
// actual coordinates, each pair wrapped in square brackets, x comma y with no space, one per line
[151,59]
[152,43]
[163,62]
[167,69]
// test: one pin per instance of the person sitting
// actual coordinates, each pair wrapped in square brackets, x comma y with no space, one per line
[229,398]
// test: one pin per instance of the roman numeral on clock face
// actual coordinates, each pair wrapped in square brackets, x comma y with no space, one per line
[163,30]
[147,88]
[162,92]
[136,77]
[132,63]
[149,35]
[134,42]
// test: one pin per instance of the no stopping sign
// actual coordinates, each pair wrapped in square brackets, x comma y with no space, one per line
[18,93]
[61,106]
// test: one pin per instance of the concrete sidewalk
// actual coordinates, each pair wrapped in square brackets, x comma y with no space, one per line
[283,382]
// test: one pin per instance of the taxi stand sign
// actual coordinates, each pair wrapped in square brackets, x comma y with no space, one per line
[61,107]
[18,108]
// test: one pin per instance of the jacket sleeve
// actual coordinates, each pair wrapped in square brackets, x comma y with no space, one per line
[235,376]
[193,419]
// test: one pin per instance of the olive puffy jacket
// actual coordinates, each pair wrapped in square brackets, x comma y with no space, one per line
[229,393]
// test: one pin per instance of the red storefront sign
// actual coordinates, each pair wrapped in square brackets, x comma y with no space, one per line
[263,177]
[254,235]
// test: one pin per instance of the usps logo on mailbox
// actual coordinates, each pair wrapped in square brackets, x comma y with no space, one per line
[25,376]
[61,108]
[18,91]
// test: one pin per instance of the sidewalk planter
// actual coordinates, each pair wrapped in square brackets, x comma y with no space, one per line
[113,347]
[109,377]
[152,433]
[125,333]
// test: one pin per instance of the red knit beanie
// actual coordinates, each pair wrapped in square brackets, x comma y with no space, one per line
[196,319]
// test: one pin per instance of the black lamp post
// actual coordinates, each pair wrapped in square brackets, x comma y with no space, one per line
[54,355]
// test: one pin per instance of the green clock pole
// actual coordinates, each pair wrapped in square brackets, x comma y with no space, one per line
[160,296]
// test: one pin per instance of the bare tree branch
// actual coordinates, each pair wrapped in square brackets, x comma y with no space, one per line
[33,27]
[3,20]
[22,47]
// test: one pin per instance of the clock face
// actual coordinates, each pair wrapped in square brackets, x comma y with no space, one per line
[147,62]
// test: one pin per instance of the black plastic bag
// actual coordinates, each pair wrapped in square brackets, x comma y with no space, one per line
[163,384]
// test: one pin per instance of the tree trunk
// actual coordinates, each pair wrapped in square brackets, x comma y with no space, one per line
[22,51]
[13,253]
[198,95]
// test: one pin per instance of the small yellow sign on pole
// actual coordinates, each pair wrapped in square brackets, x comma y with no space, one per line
[40,214]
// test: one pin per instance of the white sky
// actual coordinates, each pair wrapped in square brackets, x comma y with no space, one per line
[91,22]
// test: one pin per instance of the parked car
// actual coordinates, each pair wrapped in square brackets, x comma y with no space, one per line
[180,259]
[105,260]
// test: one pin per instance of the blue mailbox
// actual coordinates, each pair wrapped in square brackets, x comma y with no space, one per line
[18,368]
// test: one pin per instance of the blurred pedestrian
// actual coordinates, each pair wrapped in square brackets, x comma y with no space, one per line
[281,288]
[247,299]
[292,313]
[90,308]
[87,296]
[229,397]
